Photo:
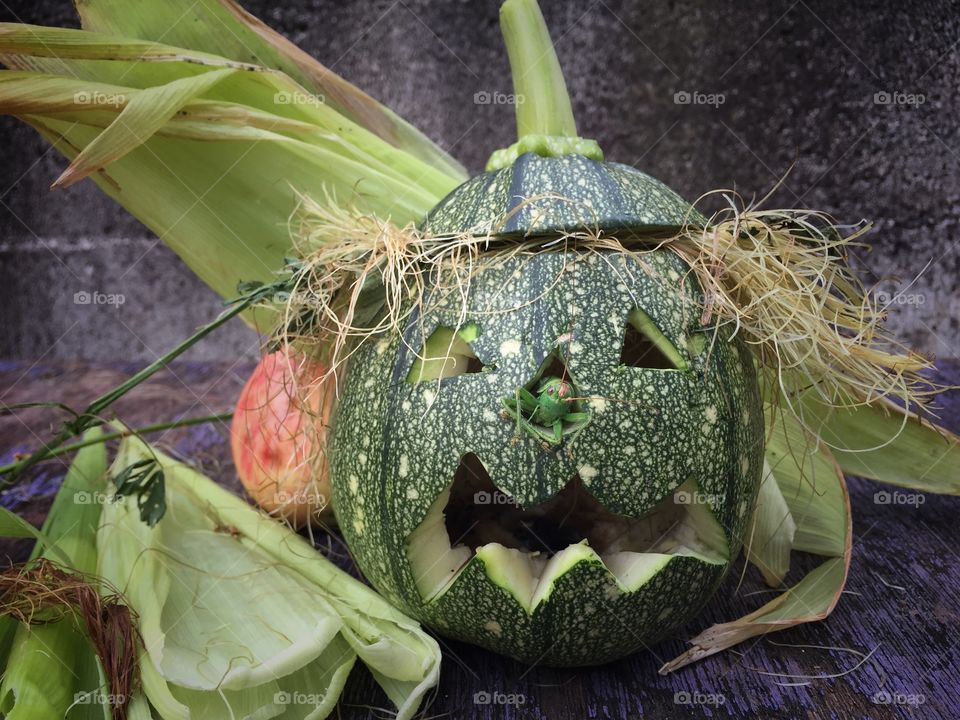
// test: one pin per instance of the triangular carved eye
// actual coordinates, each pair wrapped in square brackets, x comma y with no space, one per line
[645,346]
[445,354]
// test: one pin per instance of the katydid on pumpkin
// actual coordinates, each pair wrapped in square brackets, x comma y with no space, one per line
[553,410]
[548,415]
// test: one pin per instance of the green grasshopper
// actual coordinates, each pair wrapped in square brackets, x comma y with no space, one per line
[543,415]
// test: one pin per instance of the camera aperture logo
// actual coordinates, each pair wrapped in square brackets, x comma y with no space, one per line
[485,697]
[94,297]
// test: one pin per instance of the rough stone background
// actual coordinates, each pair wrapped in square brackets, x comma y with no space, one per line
[799,82]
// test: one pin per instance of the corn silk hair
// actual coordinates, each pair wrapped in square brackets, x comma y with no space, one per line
[780,279]
[43,592]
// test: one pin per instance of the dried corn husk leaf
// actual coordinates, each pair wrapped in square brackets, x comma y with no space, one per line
[815,493]
[144,114]
[810,600]
[771,532]
[240,615]
[242,37]
[209,158]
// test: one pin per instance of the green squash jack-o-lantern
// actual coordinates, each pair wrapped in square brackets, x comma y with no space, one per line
[559,464]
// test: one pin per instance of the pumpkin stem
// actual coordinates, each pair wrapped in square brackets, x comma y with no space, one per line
[545,123]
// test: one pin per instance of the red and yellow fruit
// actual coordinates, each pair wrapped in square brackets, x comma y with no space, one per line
[278,436]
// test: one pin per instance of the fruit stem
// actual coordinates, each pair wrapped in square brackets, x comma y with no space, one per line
[545,123]
[542,102]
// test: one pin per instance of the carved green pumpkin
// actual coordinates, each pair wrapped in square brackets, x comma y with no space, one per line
[570,542]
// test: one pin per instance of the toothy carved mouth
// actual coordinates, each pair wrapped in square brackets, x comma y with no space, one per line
[526,549]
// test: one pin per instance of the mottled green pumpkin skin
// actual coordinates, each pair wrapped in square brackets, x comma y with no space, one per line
[396,445]
[554,195]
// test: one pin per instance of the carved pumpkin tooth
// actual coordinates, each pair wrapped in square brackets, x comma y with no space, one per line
[434,562]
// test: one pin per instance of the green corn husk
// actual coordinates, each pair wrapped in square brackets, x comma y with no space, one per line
[883,442]
[212,153]
[240,616]
[52,670]
[244,38]
[808,509]
[772,531]
[803,503]
[14,526]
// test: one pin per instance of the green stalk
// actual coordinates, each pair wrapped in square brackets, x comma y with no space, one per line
[543,105]
[106,437]
[545,123]
[253,293]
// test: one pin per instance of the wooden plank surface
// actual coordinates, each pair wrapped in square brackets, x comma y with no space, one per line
[901,609]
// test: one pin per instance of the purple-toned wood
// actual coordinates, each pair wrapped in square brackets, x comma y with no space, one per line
[901,606]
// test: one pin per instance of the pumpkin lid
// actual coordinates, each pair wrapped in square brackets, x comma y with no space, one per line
[539,194]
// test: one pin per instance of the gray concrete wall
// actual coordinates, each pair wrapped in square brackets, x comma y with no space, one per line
[799,82]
